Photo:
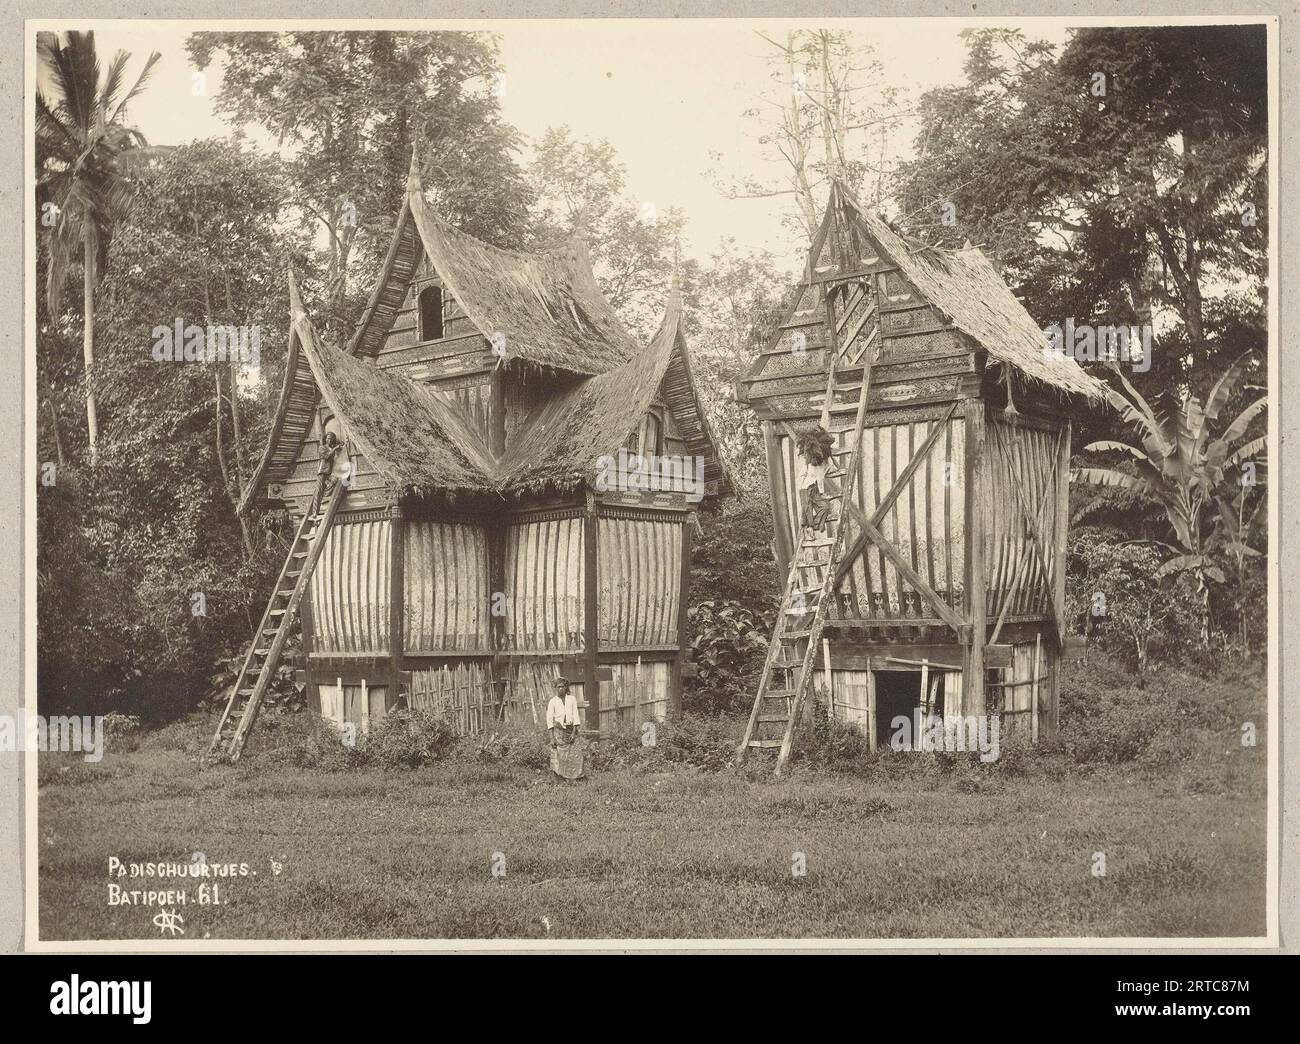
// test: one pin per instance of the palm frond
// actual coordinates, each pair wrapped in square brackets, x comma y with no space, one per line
[139,86]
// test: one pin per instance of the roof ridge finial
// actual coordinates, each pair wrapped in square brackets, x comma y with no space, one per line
[413,183]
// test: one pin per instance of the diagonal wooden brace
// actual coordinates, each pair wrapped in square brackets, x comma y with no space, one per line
[871,533]
[877,516]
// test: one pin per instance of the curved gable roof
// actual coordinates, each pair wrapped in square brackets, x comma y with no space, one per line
[964,286]
[546,306]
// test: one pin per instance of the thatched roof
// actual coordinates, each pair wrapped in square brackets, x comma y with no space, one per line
[562,443]
[547,306]
[420,442]
[414,439]
[964,286]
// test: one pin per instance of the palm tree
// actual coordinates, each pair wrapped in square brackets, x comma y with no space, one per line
[83,153]
[1186,471]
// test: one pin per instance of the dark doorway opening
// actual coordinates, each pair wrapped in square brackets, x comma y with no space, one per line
[898,693]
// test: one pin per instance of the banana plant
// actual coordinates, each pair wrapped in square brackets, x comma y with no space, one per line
[1178,463]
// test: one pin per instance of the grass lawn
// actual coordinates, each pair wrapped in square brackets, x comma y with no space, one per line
[905,849]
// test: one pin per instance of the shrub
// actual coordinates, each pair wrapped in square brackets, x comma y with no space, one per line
[1127,610]
[727,650]
[831,742]
[406,739]
[707,742]
[523,744]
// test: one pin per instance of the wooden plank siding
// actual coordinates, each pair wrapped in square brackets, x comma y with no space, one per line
[462,346]
[638,581]
[349,590]
[638,692]
[447,588]
[544,582]
[926,522]
[367,488]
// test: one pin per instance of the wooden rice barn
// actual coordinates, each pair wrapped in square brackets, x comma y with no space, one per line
[947,591]
[481,546]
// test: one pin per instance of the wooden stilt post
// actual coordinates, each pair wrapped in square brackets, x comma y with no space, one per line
[683,604]
[307,623]
[1058,573]
[590,684]
[976,594]
[1033,692]
[396,606]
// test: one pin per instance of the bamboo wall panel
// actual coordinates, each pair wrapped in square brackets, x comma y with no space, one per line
[349,589]
[638,582]
[926,522]
[637,693]
[544,585]
[1018,464]
[462,693]
[448,594]
[469,696]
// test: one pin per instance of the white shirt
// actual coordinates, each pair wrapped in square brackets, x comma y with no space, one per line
[806,474]
[562,711]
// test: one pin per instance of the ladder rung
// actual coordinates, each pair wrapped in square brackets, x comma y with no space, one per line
[246,692]
[779,694]
[294,573]
[301,554]
[773,717]
[765,743]
[280,612]
[262,652]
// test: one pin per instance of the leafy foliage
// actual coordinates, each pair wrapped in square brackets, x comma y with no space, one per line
[726,649]
[1125,607]
[352,105]
[1190,473]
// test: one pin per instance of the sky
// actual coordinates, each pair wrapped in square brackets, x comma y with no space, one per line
[668,95]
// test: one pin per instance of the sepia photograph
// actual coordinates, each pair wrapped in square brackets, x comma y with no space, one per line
[721,481]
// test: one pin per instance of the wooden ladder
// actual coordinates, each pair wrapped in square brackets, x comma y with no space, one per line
[788,670]
[263,655]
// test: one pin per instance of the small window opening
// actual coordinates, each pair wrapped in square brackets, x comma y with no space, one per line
[430,304]
[651,435]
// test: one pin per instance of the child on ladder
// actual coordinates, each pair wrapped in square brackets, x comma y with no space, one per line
[815,491]
[329,451]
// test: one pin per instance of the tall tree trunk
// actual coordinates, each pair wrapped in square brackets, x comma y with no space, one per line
[236,424]
[226,483]
[88,337]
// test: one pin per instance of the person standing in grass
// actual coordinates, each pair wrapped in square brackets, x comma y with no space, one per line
[562,721]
